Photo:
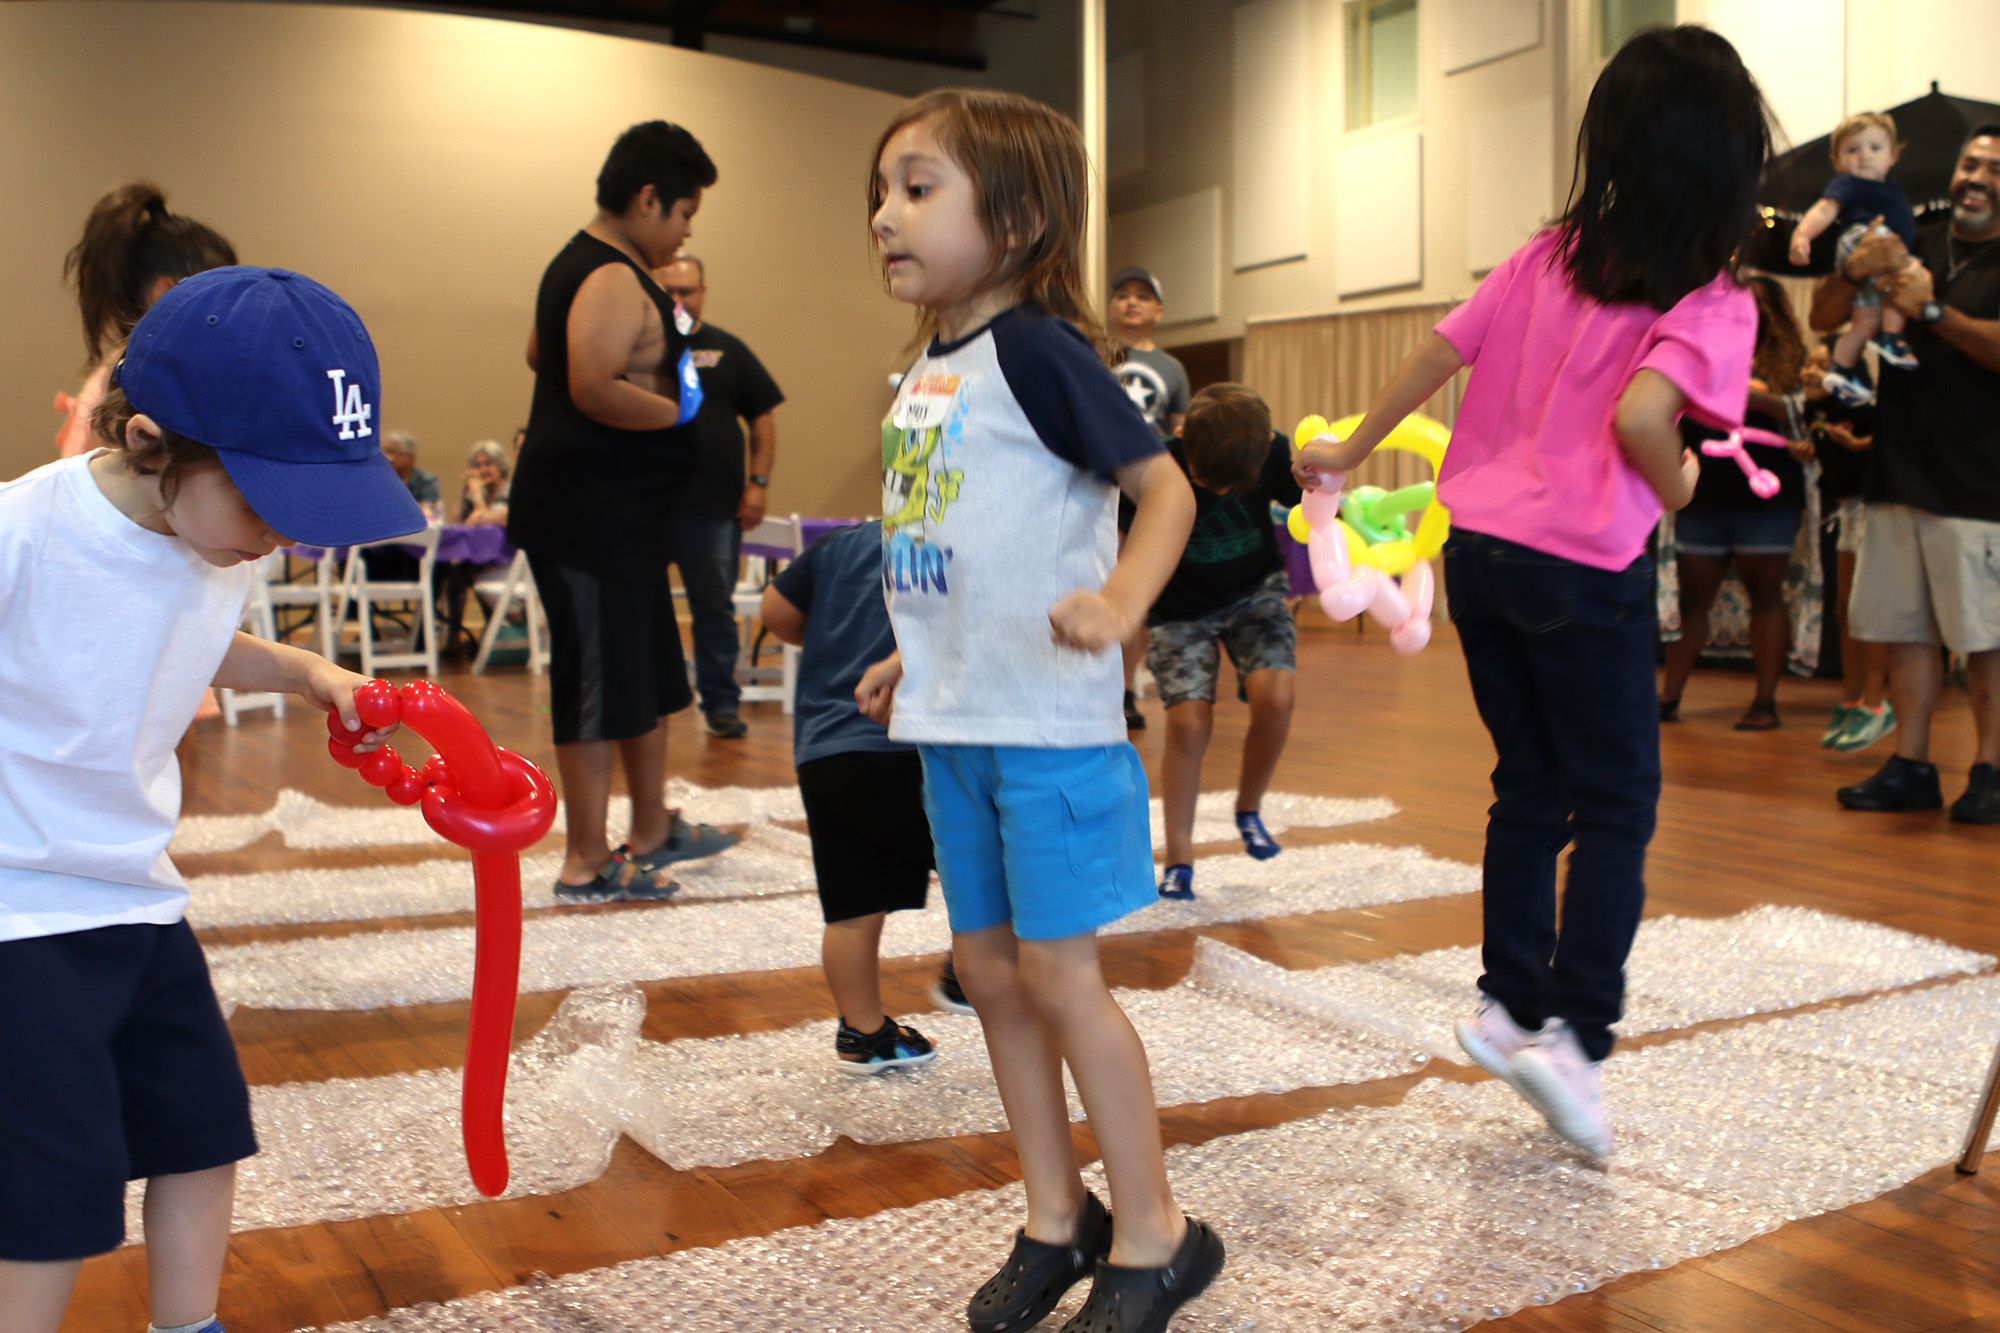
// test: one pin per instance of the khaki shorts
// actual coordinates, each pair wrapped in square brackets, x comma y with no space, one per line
[1925,579]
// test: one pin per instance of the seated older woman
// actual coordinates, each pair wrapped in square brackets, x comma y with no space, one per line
[482,500]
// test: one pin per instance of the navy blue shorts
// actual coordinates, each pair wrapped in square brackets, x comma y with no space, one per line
[117,1066]
[1721,532]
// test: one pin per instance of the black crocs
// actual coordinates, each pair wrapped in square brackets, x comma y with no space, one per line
[1142,1300]
[1037,1274]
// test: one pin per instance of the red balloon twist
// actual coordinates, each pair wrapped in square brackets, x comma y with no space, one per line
[495,804]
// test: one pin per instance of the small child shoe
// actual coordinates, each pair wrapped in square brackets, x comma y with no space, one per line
[891,1046]
[1865,726]
[1847,390]
[1565,1085]
[1037,1274]
[1178,883]
[1143,1300]
[1257,840]
[1895,350]
[946,993]
[1842,717]
[1491,1037]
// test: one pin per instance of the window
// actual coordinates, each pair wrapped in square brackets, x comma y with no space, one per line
[1614,21]
[1381,61]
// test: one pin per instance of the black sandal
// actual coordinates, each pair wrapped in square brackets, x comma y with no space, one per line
[1037,1274]
[1759,717]
[1143,1300]
[1670,710]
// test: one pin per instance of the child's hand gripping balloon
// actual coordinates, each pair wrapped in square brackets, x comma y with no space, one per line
[496,804]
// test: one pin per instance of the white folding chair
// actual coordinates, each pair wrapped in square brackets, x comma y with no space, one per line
[766,683]
[518,585]
[358,590]
[318,594]
[262,621]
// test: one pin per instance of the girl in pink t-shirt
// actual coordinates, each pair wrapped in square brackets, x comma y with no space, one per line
[1587,345]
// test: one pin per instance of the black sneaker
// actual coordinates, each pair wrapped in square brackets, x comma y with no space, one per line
[890,1046]
[1134,719]
[728,726]
[1981,802]
[1900,784]
[946,993]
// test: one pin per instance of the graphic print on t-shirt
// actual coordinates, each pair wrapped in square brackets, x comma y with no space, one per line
[920,439]
[1147,389]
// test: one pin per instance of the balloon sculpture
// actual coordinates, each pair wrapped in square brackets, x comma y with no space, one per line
[1763,481]
[496,804]
[1359,548]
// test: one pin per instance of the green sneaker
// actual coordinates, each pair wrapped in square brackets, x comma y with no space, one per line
[1867,726]
[1844,716]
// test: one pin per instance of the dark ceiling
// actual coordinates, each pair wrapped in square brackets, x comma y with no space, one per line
[938,32]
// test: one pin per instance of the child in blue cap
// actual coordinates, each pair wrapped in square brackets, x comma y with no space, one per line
[242,417]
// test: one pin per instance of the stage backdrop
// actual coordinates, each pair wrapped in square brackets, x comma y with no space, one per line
[427,167]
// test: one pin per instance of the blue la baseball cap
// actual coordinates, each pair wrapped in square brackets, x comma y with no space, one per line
[278,376]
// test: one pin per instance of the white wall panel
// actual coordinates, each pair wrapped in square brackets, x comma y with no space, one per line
[1378,233]
[1474,32]
[1509,178]
[1268,185]
[1795,49]
[1124,115]
[1180,243]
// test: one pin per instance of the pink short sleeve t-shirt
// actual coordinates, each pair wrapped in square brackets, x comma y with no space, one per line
[1533,458]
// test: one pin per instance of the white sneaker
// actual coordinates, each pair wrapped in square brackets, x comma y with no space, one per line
[1565,1085]
[1491,1036]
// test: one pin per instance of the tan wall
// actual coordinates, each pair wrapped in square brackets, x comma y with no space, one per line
[427,167]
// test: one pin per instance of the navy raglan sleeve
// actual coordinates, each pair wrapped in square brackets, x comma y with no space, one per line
[1070,397]
[795,581]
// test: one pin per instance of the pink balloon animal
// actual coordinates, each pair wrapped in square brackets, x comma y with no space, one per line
[1347,587]
[1762,480]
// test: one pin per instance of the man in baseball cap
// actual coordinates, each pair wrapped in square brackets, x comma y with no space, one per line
[278,376]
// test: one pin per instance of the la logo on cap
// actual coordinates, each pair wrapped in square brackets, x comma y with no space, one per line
[349,412]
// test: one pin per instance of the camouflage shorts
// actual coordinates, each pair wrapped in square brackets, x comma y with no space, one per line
[1258,633]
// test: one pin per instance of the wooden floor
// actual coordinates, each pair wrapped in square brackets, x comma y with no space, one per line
[1746,819]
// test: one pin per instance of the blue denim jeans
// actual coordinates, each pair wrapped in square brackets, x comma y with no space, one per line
[706,547]
[1561,660]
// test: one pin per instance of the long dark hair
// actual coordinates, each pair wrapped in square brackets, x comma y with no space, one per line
[1667,160]
[130,241]
[1780,353]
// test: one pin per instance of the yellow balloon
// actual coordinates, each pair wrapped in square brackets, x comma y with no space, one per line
[1295,523]
[1308,429]
[1427,439]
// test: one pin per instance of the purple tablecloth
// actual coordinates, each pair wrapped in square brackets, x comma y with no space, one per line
[485,544]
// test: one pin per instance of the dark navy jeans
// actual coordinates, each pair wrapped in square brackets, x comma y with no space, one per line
[706,548]
[1561,660]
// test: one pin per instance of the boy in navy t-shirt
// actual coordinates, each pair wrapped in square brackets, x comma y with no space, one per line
[864,793]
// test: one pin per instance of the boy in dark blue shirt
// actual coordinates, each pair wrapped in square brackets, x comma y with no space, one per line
[1228,592]
[863,793]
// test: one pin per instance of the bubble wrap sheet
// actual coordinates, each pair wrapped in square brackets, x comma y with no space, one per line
[1455,1206]
[356,1147]
[365,971]
[308,823]
[770,859]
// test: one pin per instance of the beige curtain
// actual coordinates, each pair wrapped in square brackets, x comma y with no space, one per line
[1333,364]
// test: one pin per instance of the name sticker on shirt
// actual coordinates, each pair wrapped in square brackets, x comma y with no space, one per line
[925,403]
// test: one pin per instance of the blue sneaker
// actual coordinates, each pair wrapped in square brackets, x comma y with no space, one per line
[1178,883]
[1895,350]
[1257,840]
[1846,389]
[890,1046]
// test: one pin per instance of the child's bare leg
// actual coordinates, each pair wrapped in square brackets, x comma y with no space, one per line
[851,953]
[585,770]
[1189,725]
[645,760]
[1892,319]
[1861,326]
[187,1237]
[1108,1061]
[33,1295]
[1027,1066]
[1271,693]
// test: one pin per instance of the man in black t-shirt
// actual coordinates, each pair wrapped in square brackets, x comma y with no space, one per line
[1929,568]
[718,504]
[1228,593]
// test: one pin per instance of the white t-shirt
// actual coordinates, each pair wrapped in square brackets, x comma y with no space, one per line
[109,634]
